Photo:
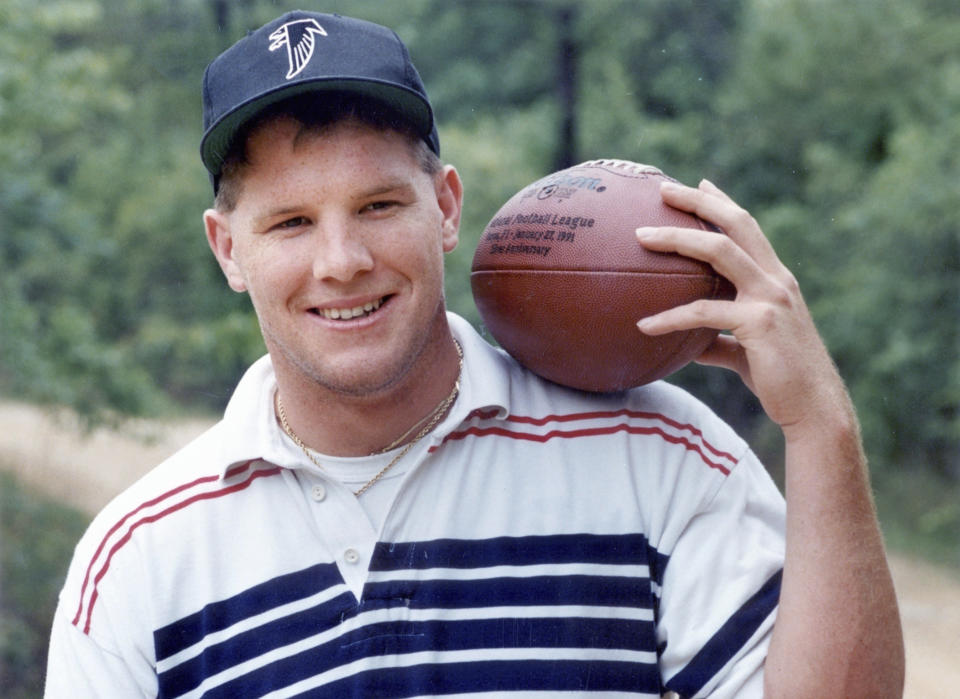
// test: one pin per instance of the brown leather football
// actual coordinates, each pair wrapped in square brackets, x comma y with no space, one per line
[561,281]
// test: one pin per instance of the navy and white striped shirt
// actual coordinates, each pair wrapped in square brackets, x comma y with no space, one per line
[539,541]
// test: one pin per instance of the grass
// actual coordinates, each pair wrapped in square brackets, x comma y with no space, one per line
[37,537]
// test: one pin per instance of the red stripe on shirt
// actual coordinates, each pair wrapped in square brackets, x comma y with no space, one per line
[153,518]
[606,414]
[588,432]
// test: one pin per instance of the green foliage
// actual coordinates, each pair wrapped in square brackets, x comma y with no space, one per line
[835,124]
[101,199]
[843,140]
[200,362]
[36,541]
[52,351]
[901,300]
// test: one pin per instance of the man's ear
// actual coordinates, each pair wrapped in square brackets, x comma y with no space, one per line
[450,199]
[220,238]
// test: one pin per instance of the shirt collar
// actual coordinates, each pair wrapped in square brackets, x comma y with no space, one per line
[249,426]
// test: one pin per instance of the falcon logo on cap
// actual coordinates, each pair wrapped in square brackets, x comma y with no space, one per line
[299,37]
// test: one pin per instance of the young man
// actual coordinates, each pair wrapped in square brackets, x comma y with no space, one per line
[392,508]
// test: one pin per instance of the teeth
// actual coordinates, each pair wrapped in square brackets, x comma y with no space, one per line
[348,313]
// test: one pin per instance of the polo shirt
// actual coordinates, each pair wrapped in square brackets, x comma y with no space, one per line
[540,540]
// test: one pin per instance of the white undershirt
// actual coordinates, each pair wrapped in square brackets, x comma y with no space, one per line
[355,472]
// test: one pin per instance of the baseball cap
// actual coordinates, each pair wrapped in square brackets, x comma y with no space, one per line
[308,52]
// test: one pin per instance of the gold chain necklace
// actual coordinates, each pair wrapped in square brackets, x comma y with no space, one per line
[432,419]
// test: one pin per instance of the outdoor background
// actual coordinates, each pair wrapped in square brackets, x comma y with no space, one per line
[837,124]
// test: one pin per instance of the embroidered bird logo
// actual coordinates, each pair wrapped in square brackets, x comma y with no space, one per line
[299,37]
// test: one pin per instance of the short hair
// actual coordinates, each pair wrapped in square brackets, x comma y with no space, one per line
[317,113]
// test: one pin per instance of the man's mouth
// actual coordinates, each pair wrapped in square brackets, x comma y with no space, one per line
[350,313]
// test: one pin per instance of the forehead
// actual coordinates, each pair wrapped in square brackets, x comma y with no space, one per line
[285,159]
[285,136]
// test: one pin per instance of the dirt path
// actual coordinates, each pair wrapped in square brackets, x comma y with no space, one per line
[50,453]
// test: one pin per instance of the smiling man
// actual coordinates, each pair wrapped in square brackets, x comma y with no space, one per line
[390,507]
[338,236]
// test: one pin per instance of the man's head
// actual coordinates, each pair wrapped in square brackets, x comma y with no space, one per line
[333,211]
[335,62]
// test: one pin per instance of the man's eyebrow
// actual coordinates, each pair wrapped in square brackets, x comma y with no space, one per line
[279,211]
[386,188]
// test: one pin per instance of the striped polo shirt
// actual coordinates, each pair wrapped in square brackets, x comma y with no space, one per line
[539,541]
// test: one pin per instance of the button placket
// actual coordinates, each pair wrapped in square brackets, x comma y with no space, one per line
[343,527]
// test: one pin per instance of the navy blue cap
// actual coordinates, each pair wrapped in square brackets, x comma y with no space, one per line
[307,52]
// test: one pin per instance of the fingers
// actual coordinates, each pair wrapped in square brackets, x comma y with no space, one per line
[716,315]
[724,352]
[711,204]
[708,186]
[741,253]
[716,249]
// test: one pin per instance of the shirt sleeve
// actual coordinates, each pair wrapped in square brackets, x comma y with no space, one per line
[113,656]
[78,666]
[720,589]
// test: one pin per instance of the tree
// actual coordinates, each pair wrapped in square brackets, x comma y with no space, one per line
[855,183]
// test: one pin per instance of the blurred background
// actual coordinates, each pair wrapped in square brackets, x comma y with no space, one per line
[836,124]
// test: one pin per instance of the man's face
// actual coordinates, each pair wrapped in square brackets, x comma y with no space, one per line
[339,240]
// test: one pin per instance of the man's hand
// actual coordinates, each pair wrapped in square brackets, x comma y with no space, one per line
[838,629]
[772,342]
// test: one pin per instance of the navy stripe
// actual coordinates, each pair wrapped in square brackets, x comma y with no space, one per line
[573,590]
[254,642]
[728,641]
[528,550]
[658,565]
[576,590]
[398,638]
[581,590]
[494,676]
[450,678]
[216,616]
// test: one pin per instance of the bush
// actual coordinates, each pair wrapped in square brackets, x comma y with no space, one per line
[37,537]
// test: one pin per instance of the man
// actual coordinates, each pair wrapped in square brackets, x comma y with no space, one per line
[390,507]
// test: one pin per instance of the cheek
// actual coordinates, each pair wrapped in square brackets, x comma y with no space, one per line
[424,259]
[264,278]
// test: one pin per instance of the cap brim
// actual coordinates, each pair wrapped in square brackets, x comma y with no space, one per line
[410,106]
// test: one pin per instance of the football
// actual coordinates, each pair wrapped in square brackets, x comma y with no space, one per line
[560,280]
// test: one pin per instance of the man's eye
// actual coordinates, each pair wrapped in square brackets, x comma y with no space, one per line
[379,205]
[294,222]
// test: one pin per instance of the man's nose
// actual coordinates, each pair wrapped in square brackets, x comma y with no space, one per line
[341,252]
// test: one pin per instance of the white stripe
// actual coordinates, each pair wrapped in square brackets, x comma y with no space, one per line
[553,570]
[527,612]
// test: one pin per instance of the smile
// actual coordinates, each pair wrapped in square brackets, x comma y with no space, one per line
[350,313]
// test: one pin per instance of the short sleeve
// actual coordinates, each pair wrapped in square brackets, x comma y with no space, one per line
[108,654]
[77,666]
[720,589]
